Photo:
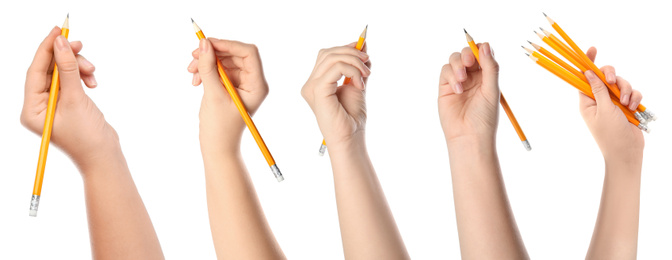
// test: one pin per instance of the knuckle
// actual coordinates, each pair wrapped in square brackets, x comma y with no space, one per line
[70,66]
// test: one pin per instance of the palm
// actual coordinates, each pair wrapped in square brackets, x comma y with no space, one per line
[475,110]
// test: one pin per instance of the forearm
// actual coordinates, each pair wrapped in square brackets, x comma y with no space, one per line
[239,227]
[486,226]
[119,225]
[616,229]
[367,226]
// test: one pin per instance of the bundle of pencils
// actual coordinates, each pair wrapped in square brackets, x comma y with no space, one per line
[502,100]
[46,131]
[574,75]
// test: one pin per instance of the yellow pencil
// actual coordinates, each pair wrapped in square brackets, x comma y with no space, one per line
[243,112]
[359,46]
[46,131]
[502,100]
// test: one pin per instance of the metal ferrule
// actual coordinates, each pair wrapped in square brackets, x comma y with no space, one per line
[323,148]
[34,202]
[641,118]
[277,173]
[644,128]
[527,145]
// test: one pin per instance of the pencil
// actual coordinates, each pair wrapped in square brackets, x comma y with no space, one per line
[502,100]
[46,131]
[563,51]
[572,70]
[243,111]
[359,46]
[592,66]
[583,86]
[555,59]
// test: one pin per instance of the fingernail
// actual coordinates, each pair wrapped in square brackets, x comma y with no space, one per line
[458,88]
[363,54]
[633,106]
[193,80]
[362,80]
[93,81]
[487,50]
[61,43]
[611,78]
[202,46]
[625,99]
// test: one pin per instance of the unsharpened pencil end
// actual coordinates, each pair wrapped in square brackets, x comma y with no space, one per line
[323,148]
[33,213]
[277,173]
[527,145]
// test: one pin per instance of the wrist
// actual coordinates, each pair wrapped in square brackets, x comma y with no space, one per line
[107,159]
[352,144]
[472,143]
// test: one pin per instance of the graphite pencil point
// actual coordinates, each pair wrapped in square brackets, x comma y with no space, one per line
[544,14]
[192,19]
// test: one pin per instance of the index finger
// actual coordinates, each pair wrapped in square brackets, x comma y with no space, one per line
[248,52]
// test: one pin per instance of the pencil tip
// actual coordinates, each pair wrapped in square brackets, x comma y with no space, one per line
[522,46]
[529,42]
[367,27]
[465,30]
[527,54]
[535,31]
[544,14]
[542,29]
[192,19]
[68,16]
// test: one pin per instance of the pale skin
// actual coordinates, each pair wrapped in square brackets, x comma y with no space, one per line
[237,221]
[368,229]
[119,225]
[622,145]
[469,111]
[468,97]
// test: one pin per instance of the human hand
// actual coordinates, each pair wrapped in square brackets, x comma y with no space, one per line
[340,111]
[469,95]
[79,129]
[221,126]
[618,139]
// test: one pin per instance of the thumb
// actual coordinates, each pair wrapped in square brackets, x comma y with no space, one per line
[600,91]
[68,68]
[490,68]
[207,69]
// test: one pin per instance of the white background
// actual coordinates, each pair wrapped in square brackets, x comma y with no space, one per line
[141,51]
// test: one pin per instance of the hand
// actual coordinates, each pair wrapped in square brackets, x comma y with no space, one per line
[469,95]
[340,111]
[618,139]
[79,129]
[221,125]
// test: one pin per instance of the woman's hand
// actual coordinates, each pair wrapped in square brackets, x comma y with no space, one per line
[340,111]
[79,127]
[618,139]
[221,125]
[469,95]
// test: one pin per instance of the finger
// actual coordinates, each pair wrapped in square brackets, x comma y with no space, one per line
[76,46]
[340,69]
[35,77]
[635,99]
[341,50]
[447,81]
[332,59]
[459,70]
[193,66]
[489,66]
[68,69]
[591,53]
[468,58]
[626,91]
[86,70]
[241,50]
[207,69]
[196,79]
[609,73]
[599,90]
[585,102]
